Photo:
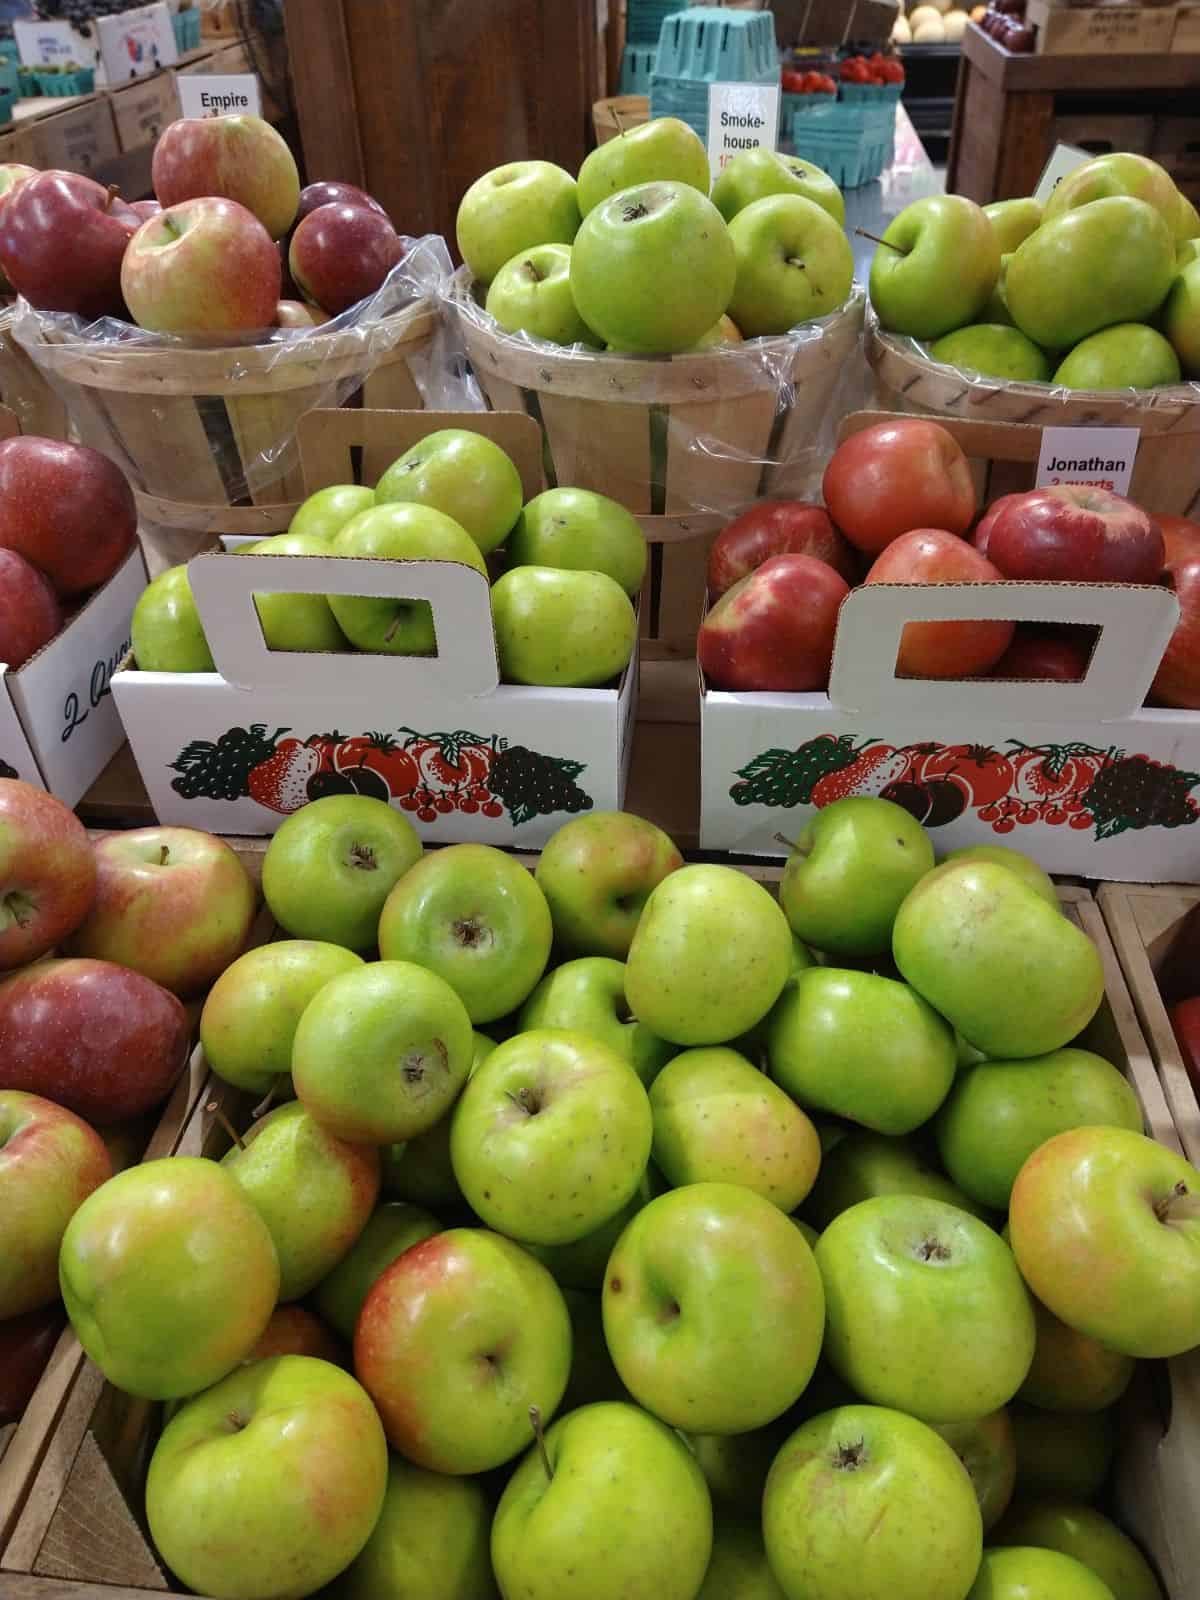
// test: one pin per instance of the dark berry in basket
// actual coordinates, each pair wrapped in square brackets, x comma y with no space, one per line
[322,784]
[1136,792]
[364,781]
[946,802]
[533,785]
[788,777]
[219,771]
[916,798]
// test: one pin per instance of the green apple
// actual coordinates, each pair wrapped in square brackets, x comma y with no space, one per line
[1117,173]
[147,1274]
[735,1465]
[615,1506]
[597,872]
[332,864]
[738,1569]
[794,264]
[987,1449]
[848,873]
[1082,1532]
[1187,218]
[1087,268]
[387,1233]
[477,918]
[754,174]
[1186,251]
[512,208]
[1071,1372]
[710,956]
[551,1136]
[863,1165]
[295,621]
[462,475]
[420,1170]
[251,1013]
[862,1047]
[1062,1456]
[561,629]
[936,268]
[532,294]
[653,268]
[664,148]
[455,1342]
[994,350]
[165,631]
[971,936]
[996,308]
[581,1264]
[753,1043]
[1128,355]
[382,1052]
[593,1376]
[1181,318]
[701,1278]
[328,510]
[1002,855]
[926,1309]
[268,1484]
[588,996]
[999,1112]
[1013,221]
[580,531]
[1030,1574]
[724,332]
[866,1501]
[717,1119]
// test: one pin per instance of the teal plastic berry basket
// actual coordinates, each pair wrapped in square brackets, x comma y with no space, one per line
[708,44]
[851,140]
[60,84]
[644,19]
[637,68]
[187,29]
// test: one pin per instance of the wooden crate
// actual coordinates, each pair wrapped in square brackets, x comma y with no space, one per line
[1101,30]
[1186,38]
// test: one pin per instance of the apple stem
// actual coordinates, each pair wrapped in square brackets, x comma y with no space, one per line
[795,261]
[268,1100]
[793,845]
[164,855]
[391,633]
[532,272]
[110,196]
[535,1422]
[1169,1208]
[234,1135]
[875,239]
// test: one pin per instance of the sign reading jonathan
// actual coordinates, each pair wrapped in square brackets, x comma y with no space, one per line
[1102,457]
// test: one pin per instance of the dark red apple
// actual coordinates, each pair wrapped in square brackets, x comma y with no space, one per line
[67,509]
[983,528]
[1177,681]
[47,876]
[327,193]
[942,649]
[62,240]
[774,629]
[146,208]
[30,614]
[1181,537]
[776,528]
[897,476]
[340,254]
[1076,533]
[105,1042]
[1035,653]
[1185,1023]
[25,1346]
[295,314]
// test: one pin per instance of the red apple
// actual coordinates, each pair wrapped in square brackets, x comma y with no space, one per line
[1177,681]
[98,1039]
[335,194]
[982,530]
[1076,533]
[293,1331]
[1181,538]
[67,509]
[341,254]
[230,158]
[1185,1022]
[30,614]
[62,239]
[203,266]
[1038,654]
[897,476]
[174,904]
[774,629]
[47,874]
[295,314]
[146,208]
[12,175]
[776,528]
[25,1346]
[942,649]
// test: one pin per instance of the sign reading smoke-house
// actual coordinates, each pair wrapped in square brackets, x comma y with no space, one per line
[741,116]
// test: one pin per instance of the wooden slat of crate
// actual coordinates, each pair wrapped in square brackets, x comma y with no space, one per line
[1186,38]
[1101,30]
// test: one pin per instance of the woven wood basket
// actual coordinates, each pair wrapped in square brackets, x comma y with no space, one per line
[25,391]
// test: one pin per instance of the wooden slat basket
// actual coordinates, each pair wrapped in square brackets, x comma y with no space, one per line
[618,114]
[25,391]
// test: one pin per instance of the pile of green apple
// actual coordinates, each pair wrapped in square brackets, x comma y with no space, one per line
[561,609]
[693,1278]
[1097,289]
[637,255]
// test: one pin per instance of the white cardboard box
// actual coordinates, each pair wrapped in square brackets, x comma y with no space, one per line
[133,43]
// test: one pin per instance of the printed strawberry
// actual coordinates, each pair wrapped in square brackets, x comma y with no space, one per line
[876,767]
[281,781]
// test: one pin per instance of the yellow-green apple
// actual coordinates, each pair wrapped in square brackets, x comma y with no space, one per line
[717,1119]
[848,873]
[295,621]
[105,1042]
[613,1503]
[270,1483]
[512,208]
[926,1308]
[1187,219]
[203,266]
[237,158]
[329,510]
[865,1500]
[381,1052]
[389,1231]
[477,918]
[710,956]
[581,1264]
[464,476]
[701,1276]
[738,1568]
[735,1465]
[1109,261]
[653,268]
[44,211]
[862,1047]
[996,307]
[67,509]
[50,1161]
[551,1136]
[1181,320]
[1013,221]
[169,1276]
[420,1169]
[1022,1573]
[532,294]
[794,264]
[987,1449]
[896,476]
[593,1376]
[753,1043]
[1075,533]
[862,1165]
[754,174]
[47,873]
[165,631]
[999,1112]
[723,332]
[1062,1455]
[340,254]
[664,148]
[581,531]
[971,935]
[1002,855]
[1104,1227]
[776,528]
[942,649]
[1186,251]
[597,872]
[30,614]
[1082,1532]
[293,1331]
[1071,1372]
[26,1343]
[774,629]
[330,192]
[935,269]
[431,1540]
[174,904]
[1119,172]
[588,996]
[997,350]
[562,629]
[455,1342]
[1128,355]
[330,867]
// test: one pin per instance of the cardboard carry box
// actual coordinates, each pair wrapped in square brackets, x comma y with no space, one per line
[466,757]
[1101,30]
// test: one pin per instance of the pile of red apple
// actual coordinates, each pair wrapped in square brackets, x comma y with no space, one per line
[900,497]
[1004,21]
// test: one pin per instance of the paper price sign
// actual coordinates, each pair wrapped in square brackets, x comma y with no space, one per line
[741,116]
[1064,160]
[207,95]
[1102,457]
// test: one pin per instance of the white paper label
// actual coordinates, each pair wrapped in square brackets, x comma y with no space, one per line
[52,44]
[1103,457]
[741,116]
[1065,159]
[135,43]
[205,95]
